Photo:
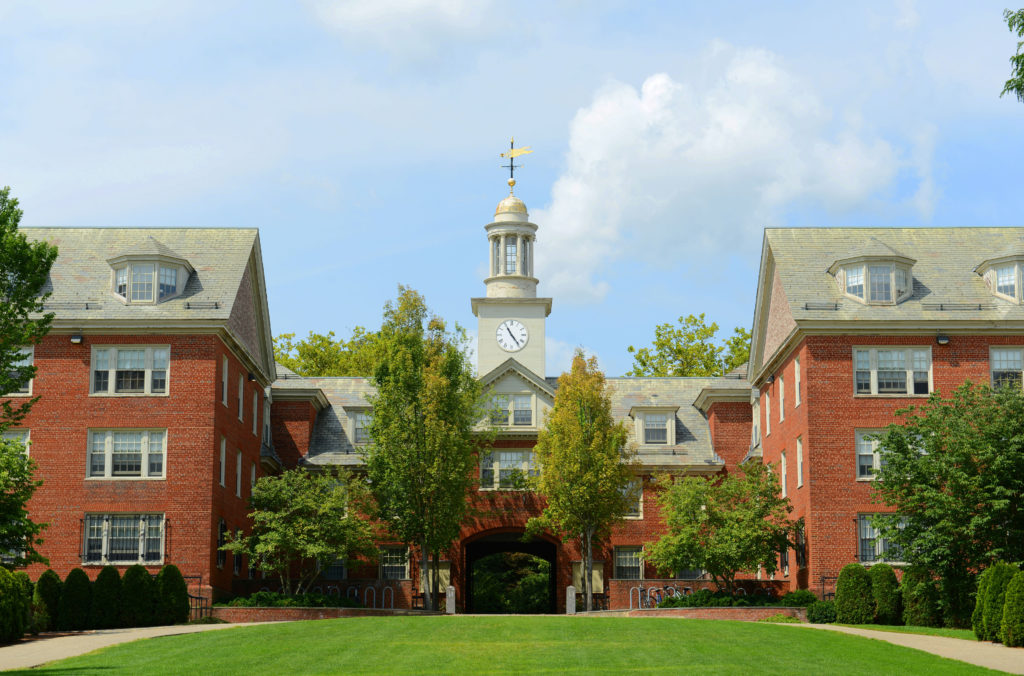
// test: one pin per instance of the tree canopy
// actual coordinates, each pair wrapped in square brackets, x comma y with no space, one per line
[306,519]
[954,471]
[324,355]
[1015,85]
[725,525]
[422,453]
[587,472]
[690,348]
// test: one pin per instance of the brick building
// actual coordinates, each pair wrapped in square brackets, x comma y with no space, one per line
[161,403]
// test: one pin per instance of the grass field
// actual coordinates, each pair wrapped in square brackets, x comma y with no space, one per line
[516,644]
[966,634]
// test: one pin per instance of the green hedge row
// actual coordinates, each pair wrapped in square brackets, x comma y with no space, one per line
[268,599]
[872,595]
[999,605]
[705,598]
[77,603]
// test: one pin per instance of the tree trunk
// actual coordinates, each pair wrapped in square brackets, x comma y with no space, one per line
[434,581]
[588,568]
[428,599]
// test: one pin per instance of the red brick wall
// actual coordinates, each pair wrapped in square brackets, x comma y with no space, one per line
[292,427]
[194,419]
[730,423]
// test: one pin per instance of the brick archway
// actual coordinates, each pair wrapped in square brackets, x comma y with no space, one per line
[497,541]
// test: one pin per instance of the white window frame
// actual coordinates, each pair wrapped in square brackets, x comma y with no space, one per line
[799,462]
[103,522]
[908,366]
[796,379]
[755,431]
[768,411]
[255,414]
[1016,268]
[638,513]
[106,435]
[24,435]
[28,359]
[860,442]
[782,474]
[619,566]
[388,554]
[224,380]
[223,460]
[865,531]
[865,269]
[111,370]
[992,350]
[359,420]
[782,399]
[238,473]
[241,397]
[641,415]
[180,274]
[525,464]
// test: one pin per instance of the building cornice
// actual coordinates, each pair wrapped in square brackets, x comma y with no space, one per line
[313,395]
[711,395]
[546,302]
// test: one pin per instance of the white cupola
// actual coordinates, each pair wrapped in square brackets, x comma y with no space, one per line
[510,238]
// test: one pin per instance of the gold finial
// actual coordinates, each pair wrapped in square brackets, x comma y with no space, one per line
[511,156]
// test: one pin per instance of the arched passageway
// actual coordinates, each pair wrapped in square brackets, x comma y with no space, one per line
[484,549]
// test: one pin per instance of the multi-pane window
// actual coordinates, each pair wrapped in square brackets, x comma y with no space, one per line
[496,256]
[124,538]
[689,574]
[224,381]
[361,427]
[871,546]
[755,428]
[255,410]
[635,492]
[869,459]
[1007,365]
[629,563]
[510,255]
[796,381]
[238,473]
[784,560]
[241,396]
[892,370]
[656,428]
[17,372]
[881,284]
[1006,280]
[524,268]
[236,557]
[782,399]
[266,422]
[767,412]
[116,454]
[855,281]
[142,281]
[121,282]
[782,473]
[522,412]
[168,282]
[336,571]
[507,468]
[21,436]
[222,468]
[799,462]
[222,539]
[130,370]
[499,410]
[394,563]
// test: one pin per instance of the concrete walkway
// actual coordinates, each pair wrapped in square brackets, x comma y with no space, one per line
[49,647]
[980,653]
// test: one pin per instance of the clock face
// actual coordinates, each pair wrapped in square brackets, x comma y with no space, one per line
[512,335]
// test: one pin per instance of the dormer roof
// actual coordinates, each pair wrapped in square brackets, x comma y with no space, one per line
[873,249]
[151,248]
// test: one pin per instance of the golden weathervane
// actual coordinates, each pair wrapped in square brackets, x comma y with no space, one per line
[511,156]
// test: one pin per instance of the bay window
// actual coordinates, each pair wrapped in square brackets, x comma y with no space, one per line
[877,282]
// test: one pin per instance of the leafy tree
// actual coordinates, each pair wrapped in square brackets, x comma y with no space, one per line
[954,471]
[854,601]
[587,472]
[1015,85]
[724,525]
[885,590]
[323,355]
[920,598]
[172,606]
[690,349]
[106,599]
[423,451]
[24,267]
[302,518]
[138,597]
[47,595]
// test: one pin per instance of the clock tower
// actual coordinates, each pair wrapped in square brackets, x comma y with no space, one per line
[510,319]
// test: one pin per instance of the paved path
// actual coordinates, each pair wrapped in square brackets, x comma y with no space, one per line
[981,653]
[48,648]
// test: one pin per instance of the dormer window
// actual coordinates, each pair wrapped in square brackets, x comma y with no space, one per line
[655,425]
[875,274]
[1002,274]
[149,274]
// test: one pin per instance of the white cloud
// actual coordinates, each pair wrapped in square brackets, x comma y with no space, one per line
[693,168]
[406,27]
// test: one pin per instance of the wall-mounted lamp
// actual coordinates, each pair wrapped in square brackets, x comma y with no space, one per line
[76,338]
[942,339]
[771,379]
[252,376]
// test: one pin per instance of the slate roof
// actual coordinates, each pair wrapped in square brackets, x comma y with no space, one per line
[946,287]
[330,444]
[80,280]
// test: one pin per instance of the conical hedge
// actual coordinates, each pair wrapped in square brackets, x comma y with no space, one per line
[854,602]
[75,602]
[106,599]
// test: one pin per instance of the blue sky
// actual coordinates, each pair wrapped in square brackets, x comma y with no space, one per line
[363,140]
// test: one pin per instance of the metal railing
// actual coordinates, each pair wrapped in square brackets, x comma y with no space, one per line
[199,606]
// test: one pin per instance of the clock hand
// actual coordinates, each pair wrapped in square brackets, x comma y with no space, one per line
[511,335]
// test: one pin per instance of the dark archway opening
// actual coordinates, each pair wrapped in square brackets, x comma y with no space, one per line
[507,575]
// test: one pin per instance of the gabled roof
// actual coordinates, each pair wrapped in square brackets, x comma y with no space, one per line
[150,246]
[873,248]
[510,365]
[227,275]
[330,443]
[947,294]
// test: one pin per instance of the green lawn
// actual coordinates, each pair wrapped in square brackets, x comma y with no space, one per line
[929,631]
[502,644]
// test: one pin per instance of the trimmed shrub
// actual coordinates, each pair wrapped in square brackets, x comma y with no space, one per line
[885,589]
[1012,627]
[978,616]
[47,597]
[920,599]
[780,618]
[800,597]
[821,612]
[995,594]
[138,597]
[25,584]
[106,599]
[172,605]
[75,601]
[12,611]
[854,602]
[267,599]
